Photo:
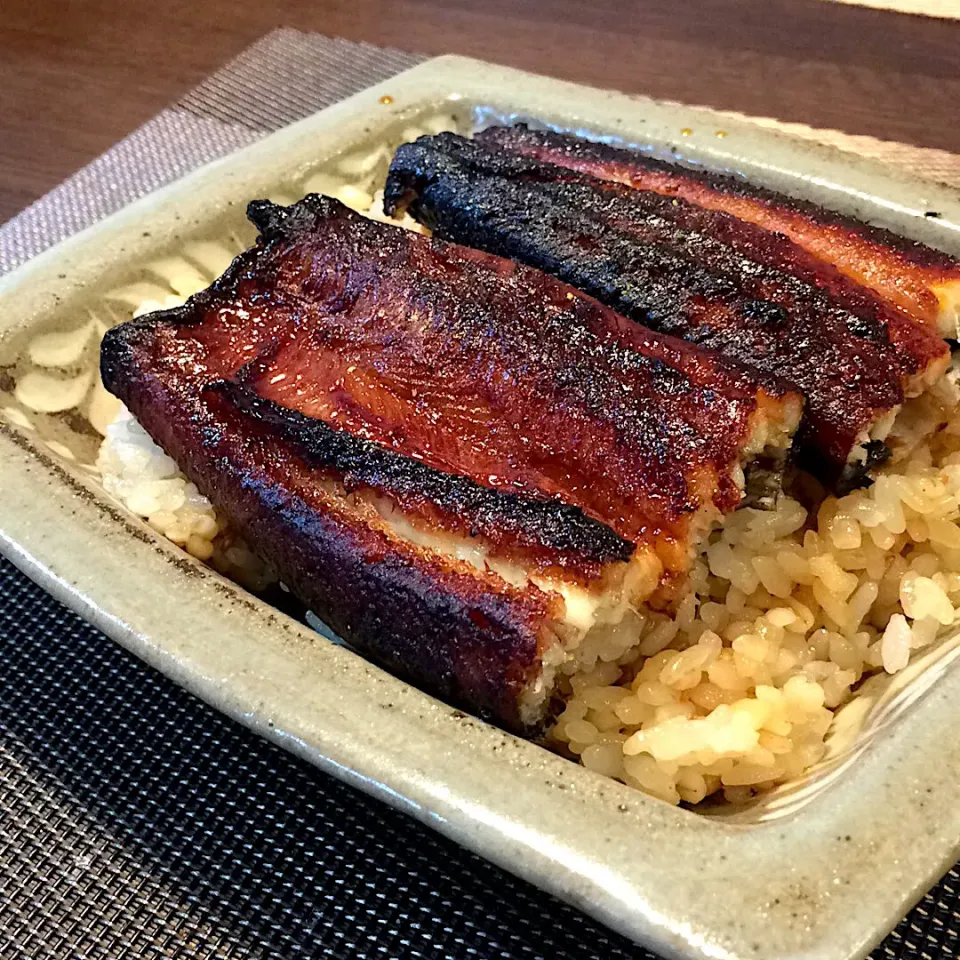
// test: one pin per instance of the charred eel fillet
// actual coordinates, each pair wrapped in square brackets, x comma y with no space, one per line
[691,272]
[922,281]
[460,463]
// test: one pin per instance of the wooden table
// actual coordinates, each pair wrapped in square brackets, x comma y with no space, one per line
[76,75]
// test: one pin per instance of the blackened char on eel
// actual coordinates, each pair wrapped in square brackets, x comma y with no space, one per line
[462,464]
[923,282]
[689,271]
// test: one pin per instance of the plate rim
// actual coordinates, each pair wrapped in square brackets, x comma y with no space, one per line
[631,868]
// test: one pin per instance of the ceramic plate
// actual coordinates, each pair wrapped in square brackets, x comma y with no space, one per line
[819,869]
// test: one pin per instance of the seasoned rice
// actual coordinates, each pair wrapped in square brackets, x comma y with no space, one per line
[737,691]
[141,476]
[790,612]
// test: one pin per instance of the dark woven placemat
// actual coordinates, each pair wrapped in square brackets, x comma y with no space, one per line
[137,822]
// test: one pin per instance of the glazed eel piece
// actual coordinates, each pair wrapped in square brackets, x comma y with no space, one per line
[691,272]
[920,280]
[463,465]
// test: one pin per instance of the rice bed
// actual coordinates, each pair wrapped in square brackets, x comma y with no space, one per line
[790,612]
[736,693]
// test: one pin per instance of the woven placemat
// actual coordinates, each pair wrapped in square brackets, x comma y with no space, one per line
[137,822]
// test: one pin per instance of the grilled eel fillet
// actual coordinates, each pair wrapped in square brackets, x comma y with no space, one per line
[692,272]
[460,463]
[923,282]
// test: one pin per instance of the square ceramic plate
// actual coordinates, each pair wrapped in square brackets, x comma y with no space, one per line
[820,869]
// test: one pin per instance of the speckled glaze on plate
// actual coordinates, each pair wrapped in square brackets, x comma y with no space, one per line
[821,869]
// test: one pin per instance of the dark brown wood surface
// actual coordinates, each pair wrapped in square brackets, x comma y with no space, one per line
[76,75]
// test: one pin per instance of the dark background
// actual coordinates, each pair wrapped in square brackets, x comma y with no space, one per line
[77,76]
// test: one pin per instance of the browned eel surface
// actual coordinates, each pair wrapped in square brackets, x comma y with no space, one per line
[922,281]
[342,359]
[685,270]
